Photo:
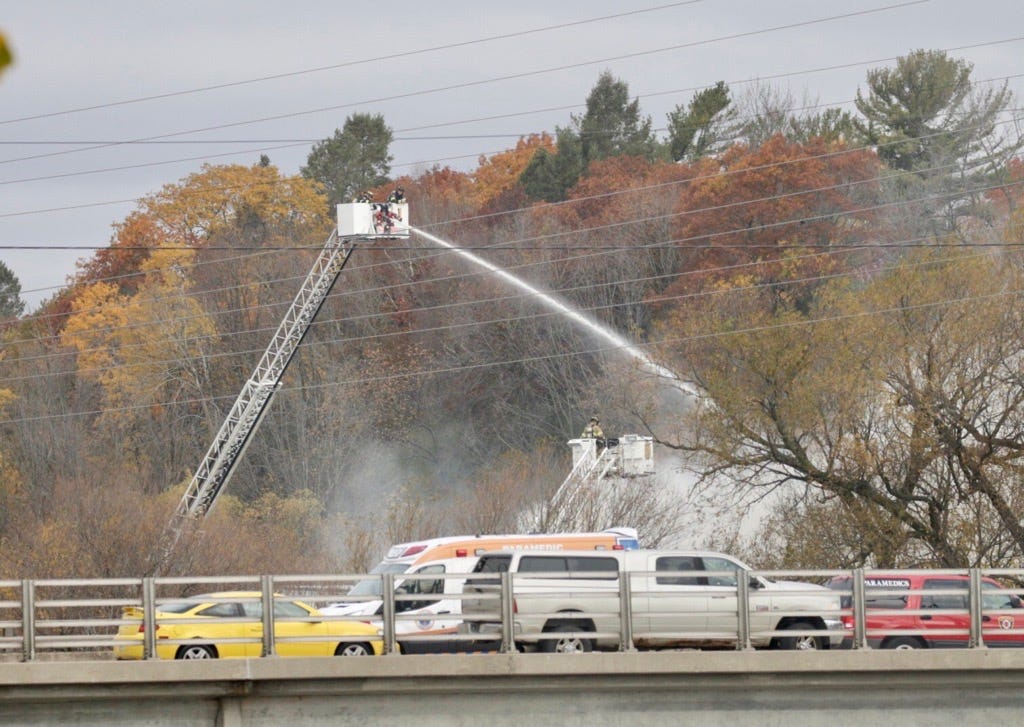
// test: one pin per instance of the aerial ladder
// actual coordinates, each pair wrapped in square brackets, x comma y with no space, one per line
[361,221]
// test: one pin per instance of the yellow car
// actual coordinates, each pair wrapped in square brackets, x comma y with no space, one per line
[229,625]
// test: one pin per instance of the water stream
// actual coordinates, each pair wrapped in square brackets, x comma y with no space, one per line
[565,309]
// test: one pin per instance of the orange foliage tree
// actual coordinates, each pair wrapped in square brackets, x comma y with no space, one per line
[786,207]
[498,174]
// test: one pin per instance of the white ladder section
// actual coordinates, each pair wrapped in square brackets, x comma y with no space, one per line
[235,433]
[590,466]
[597,473]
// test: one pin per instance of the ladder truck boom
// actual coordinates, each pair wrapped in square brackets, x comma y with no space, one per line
[357,222]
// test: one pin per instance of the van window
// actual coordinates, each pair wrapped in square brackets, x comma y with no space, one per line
[885,593]
[678,564]
[493,563]
[414,587]
[559,565]
[880,593]
[944,600]
[371,586]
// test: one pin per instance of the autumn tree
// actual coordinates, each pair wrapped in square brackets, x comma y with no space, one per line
[147,353]
[782,213]
[623,216]
[808,529]
[900,400]
[11,482]
[355,159]
[498,174]
[6,57]
[1007,201]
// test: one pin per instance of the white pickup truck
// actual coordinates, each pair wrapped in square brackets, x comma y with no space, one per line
[678,599]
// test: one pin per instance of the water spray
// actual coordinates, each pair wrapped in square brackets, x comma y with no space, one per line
[566,310]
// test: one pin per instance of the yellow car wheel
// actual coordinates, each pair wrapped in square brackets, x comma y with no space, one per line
[196,651]
[351,649]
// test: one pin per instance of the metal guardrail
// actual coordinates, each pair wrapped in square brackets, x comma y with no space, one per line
[66,618]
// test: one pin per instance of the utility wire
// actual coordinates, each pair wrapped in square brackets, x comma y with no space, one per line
[347,64]
[601,350]
[691,241]
[835,249]
[412,164]
[645,190]
[450,327]
[482,82]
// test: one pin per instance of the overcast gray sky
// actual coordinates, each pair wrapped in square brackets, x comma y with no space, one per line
[454,79]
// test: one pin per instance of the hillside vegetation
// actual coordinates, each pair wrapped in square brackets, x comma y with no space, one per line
[842,287]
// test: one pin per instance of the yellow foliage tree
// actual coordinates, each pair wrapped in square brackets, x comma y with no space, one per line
[147,352]
[499,173]
[135,347]
[5,53]
[235,196]
[10,477]
[896,403]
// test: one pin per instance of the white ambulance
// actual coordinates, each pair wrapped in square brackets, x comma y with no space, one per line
[422,624]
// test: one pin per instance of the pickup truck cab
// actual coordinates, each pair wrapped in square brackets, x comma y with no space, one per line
[678,599]
[925,610]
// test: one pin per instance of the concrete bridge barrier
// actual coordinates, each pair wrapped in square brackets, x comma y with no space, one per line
[738,689]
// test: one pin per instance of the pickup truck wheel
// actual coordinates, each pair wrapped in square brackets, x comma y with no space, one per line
[566,644]
[801,643]
[902,642]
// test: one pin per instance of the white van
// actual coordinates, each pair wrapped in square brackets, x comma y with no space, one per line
[438,613]
[679,599]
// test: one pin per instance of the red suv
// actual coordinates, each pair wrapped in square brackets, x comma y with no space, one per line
[902,602]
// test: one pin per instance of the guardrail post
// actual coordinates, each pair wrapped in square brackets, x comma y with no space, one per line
[626,611]
[149,618]
[388,612]
[977,639]
[508,642]
[743,611]
[267,598]
[860,629]
[28,620]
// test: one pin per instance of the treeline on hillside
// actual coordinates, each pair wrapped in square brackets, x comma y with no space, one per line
[843,286]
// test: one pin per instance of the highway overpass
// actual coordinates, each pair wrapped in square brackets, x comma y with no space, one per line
[648,689]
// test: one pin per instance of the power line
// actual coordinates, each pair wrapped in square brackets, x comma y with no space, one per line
[497,117]
[833,249]
[480,323]
[347,64]
[508,77]
[416,163]
[746,170]
[601,350]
